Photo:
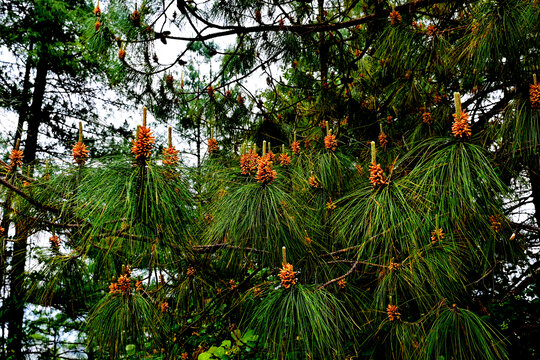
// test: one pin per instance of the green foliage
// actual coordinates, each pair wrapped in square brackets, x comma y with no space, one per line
[321,261]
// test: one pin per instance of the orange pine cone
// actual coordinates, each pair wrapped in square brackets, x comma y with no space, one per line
[265,174]
[164,306]
[97,11]
[97,25]
[143,145]
[54,241]
[80,153]
[496,223]
[431,30]
[295,147]
[376,177]
[461,127]
[2,231]
[211,91]
[287,276]
[395,17]
[212,145]
[313,182]
[121,54]
[170,156]
[437,235]
[284,160]
[534,92]
[191,271]
[15,159]
[330,205]
[426,117]
[136,18]
[249,162]
[342,283]
[113,288]
[271,156]
[393,314]
[330,142]
[383,140]
[124,284]
[139,285]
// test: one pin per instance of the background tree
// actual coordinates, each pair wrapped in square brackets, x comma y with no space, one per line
[48,82]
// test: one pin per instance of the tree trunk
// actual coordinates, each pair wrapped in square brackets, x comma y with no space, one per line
[24,99]
[16,299]
[323,61]
[534,177]
[17,294]
[35,117]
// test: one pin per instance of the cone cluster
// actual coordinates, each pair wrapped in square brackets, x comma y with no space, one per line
[330,205]
[143,145]
[249,162]
[496,223]
[164,306]
[15,159]
[284,160]
[330,142]
[54,241]
[212,145]
[342,283]
[170,156]
[376,177]
[265,173]
[394,266]
[191,271]
[437,235]
[395,17]
[295,147]
[393,314]
[287,275]
[383,140]
[80,153]
[123,285]
[461,128]
[534,92]
[313,182]
[426,117]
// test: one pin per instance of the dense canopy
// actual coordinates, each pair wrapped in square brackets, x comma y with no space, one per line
[352,179]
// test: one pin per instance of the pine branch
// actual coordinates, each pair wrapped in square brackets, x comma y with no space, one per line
[339,278]
[526,227]
[215,247]
[28,198]
[306,28]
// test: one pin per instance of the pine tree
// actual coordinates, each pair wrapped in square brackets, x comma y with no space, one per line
[367,210]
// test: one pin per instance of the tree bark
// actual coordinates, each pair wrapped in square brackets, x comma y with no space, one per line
[24,99]
[17,294]
[35,117]
[16,299]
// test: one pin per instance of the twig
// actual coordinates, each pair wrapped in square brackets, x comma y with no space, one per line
[28,198]
[339,278]
[526,226]
[212,248]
